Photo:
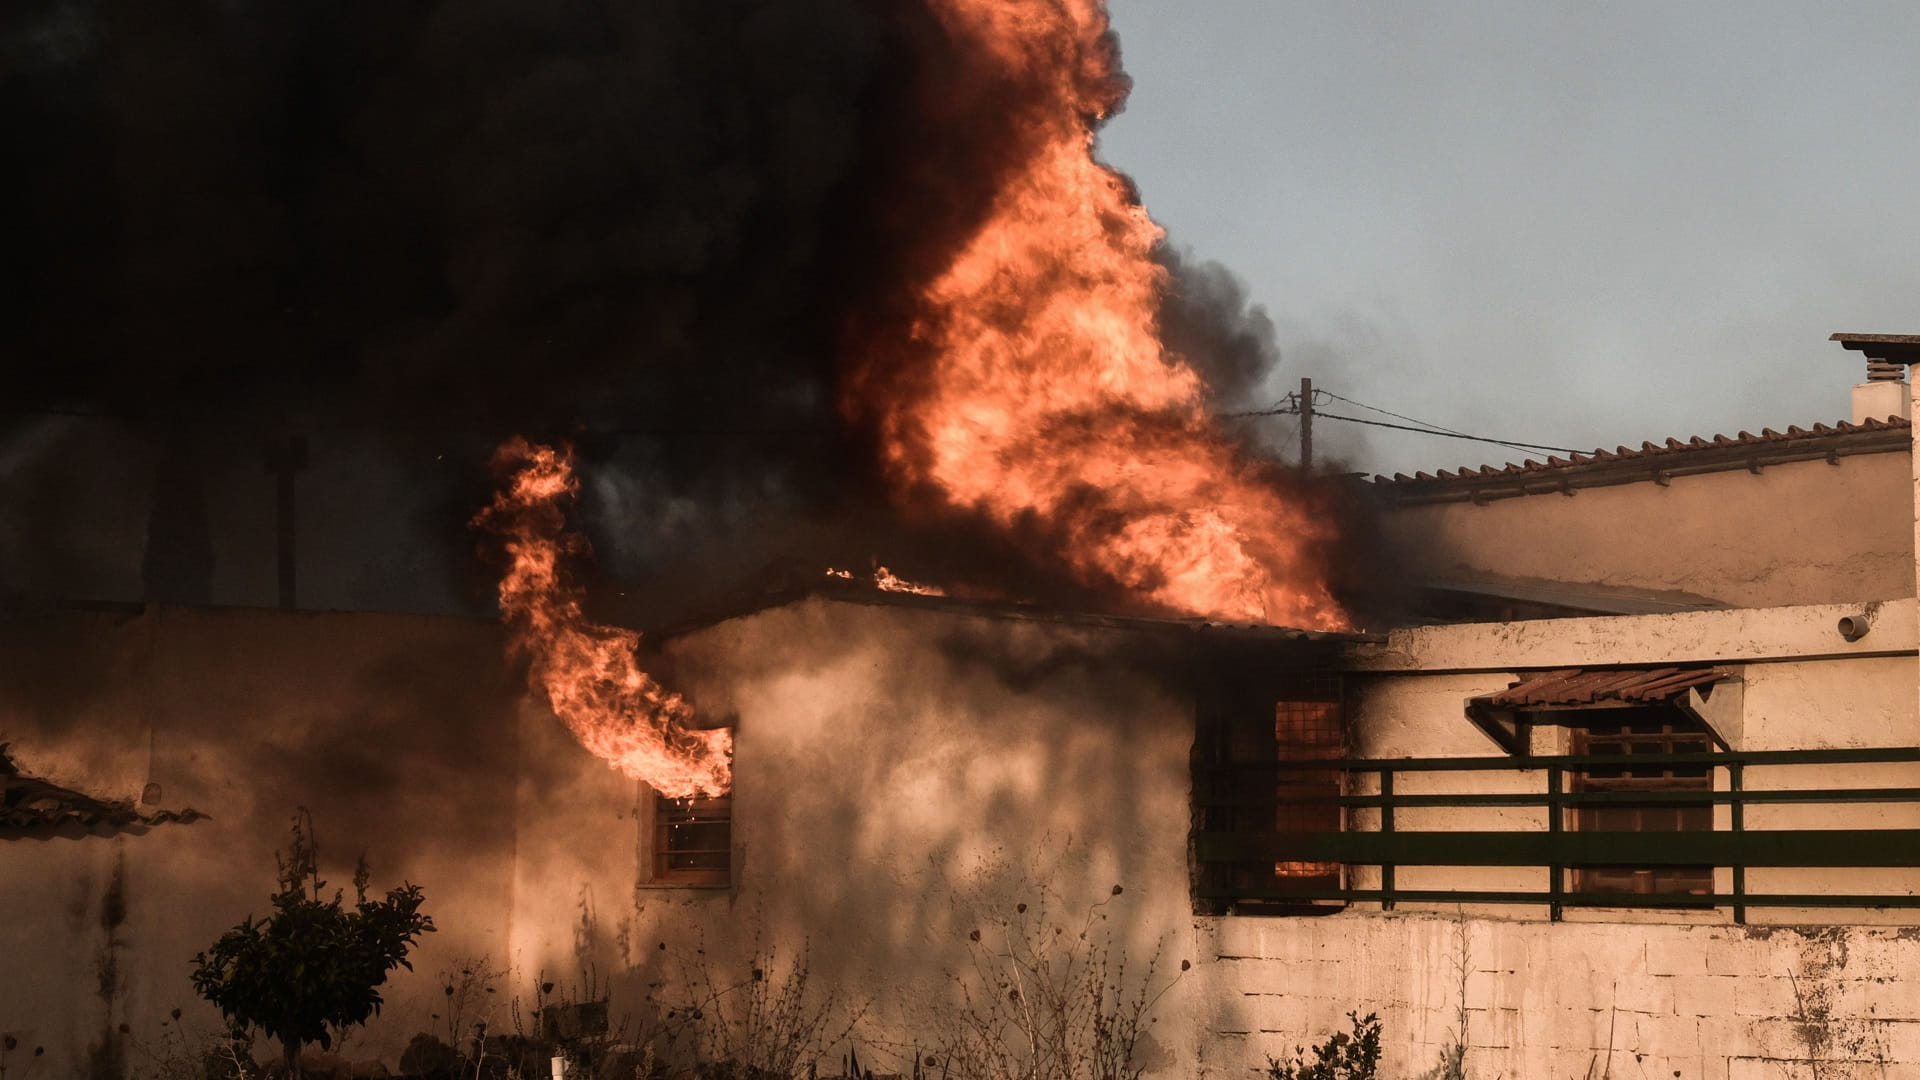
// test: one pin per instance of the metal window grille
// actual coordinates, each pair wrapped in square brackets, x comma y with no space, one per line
[693,840]
[1638,741]
[1307,731]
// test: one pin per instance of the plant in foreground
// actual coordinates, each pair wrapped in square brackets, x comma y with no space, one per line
[1046,1000]
[315,966]
[1346,1055]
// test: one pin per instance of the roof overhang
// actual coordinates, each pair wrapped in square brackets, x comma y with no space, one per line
[1892,348]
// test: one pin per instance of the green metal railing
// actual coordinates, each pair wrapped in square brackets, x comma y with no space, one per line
[1557,849]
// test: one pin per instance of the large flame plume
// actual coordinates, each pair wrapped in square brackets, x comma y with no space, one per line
[1050,404]
[589,673]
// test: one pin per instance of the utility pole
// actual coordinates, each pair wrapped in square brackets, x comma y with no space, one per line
[1306,425]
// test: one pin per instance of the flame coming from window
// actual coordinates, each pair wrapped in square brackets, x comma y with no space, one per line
[1050,404]
[590,673]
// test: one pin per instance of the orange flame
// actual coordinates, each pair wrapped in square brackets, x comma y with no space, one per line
[1051,405]
[589,672]
[887,581]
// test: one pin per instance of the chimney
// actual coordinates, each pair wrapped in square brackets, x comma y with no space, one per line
[1885,393]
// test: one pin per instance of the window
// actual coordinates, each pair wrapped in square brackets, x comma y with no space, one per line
[1307,731]
[1639,733]
[1243,735]
[693,840]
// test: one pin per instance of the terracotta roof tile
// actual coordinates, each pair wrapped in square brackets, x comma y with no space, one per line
[31,805]
[1585,686]
[1658,452]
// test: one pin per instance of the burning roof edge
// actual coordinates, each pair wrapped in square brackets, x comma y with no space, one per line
[1656,462]
[860,592]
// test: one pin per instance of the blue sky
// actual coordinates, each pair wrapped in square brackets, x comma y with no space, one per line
[1571,224]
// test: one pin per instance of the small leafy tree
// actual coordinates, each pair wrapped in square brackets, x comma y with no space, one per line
[315,966]
[1345,1055]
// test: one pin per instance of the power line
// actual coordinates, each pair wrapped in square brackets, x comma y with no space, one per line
[1290,405]
[1446,434]
[1398,416]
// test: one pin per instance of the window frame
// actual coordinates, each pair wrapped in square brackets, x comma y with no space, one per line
[666,844]
[1242,724]
[1676,733]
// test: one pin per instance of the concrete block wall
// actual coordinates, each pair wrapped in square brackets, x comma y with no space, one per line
[1539,1000]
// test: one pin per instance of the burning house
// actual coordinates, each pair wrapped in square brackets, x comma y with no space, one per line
[1632,778]
[1681,837]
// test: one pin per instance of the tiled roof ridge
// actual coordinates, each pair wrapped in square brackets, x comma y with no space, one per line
[1646,451]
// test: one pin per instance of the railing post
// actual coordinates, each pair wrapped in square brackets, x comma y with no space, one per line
[1386,826]
[1555,887]
[1736,783]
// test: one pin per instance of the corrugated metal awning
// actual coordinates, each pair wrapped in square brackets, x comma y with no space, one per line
[1575,687]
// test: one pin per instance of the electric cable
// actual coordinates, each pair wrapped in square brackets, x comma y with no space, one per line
[1290,406]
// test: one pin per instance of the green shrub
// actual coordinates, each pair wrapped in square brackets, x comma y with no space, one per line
[1353,1055]
[314,966]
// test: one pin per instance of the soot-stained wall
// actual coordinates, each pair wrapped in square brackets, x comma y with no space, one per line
[905,776]
[396,733]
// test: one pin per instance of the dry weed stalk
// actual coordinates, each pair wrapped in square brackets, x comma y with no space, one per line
[1044,1003]
[765,1026]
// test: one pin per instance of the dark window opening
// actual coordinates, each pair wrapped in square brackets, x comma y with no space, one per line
[693,840]
[1635,736]
[1307,731]
[1242,737]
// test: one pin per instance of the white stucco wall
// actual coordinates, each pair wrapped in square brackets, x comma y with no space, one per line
[1529,998]
[905,776]
[1642,993]
[394,731]
[1847,537]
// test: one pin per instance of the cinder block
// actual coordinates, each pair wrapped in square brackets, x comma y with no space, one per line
[1499,946]
[1704,995]
[1273,1014]
[1663,1067]
[1493,1028]
[1575,1028]
[1489,1061]
[1256,976]
[1575,1064]
[1867,999]
[1661,1035]
[1767,1068]
[1899,1040]
[1776,1038]
[1643,994]
[1272,939]
[1756,951]
[1726,1037]
[1486,989]
[1764,996]
[1882,952]
[1895,998]
[1607,950]
[1682,953]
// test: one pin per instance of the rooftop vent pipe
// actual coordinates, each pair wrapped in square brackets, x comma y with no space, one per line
[1885,393]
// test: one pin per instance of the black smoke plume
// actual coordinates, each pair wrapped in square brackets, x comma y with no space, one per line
[654,228]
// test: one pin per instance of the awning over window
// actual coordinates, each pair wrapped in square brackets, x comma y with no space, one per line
[1586,687]
[1502,715]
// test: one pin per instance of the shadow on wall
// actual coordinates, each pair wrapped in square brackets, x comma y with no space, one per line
[905,777]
